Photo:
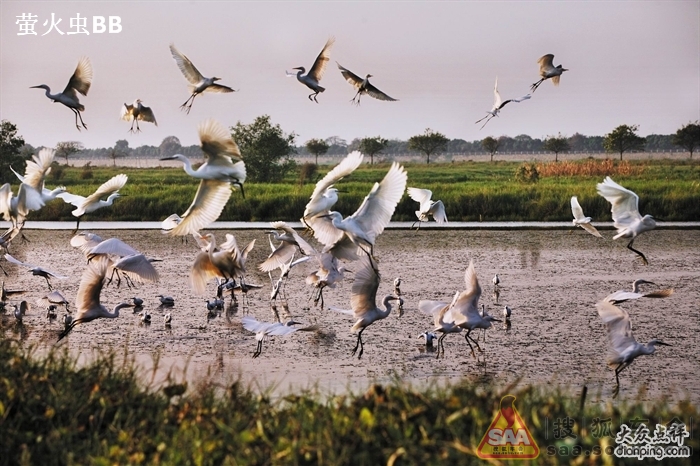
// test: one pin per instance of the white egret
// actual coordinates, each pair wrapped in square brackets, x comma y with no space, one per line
[284,252]
[145,317]
[313,77]
[79,82]
[169,223]
[36,270]
[168,319]
[397,286]
[547,71]
[325,195]
[227,262]
[428,337]
[15,209]
[123,258]
[443,319]
[363,301]
[216,174]
[53,298]
[507,311]
[87,301]
[263,329]
[363,86]
[621,296]
[625,213]
[465,308]
[198,83]
[581,220]
[135,112]
[85,205]
[623,346]
[428,207]
[284,275]
[166,301]
[34,175]
[498,104]
[496,281]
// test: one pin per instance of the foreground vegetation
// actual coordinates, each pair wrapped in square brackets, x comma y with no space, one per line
[55,412]
[471,191]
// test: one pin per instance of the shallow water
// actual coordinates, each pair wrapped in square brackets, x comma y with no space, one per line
[551,280]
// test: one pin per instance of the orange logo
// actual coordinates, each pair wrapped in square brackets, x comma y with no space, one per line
[508,436]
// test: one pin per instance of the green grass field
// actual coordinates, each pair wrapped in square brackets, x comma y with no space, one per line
[471,191]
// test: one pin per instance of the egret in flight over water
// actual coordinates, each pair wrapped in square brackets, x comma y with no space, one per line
[135,112]
[428,207]
[498,104]
[625,213]
[36,270]
[363,86]
[443,318]
[581,220]
[548,71]
[263,329]
[79,82]
[85,205]
[620,296]
[313,77]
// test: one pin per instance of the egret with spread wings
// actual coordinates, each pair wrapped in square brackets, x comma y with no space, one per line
[313,77]
[363,86]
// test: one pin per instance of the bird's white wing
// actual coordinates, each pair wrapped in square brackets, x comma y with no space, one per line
[186,67]
[81,79]
[202,271]
[364,290]
[38,168]
[619,326]
[219,89]
[350,77]
[379,205]
[6,201]
[624,202]
[113,246]
[28,199]
[146,114]
[348,165]
[74,199]
[208,203]
[230,244]
[324,231]
[281,256]
[438,212]
[169,223]
[319,66]
[621,296]
[576,209]
[377,94]
[127,112]
[496,95]
[252,325]
[590,229]
[468,300]
[431,308]
[91,286]
[217,143]
[546,62]
[137,265]
[420,195]
[282,330]
[111,186]
[18,262]
[85,241]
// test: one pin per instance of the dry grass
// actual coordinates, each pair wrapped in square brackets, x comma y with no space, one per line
[590,167]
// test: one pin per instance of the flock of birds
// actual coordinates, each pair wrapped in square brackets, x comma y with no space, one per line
[340,239]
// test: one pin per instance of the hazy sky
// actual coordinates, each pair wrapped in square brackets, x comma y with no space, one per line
[630,62]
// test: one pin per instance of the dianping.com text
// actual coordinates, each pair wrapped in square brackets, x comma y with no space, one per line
[27,23]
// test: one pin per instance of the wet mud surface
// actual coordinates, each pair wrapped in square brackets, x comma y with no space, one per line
[550,279]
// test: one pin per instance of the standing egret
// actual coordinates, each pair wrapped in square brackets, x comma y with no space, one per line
[621,296]
[465,310]
[498,104]
[496,281]
[85,205]
[547,71]
[313,77]
[198,83]
[87,301]
[263,329]
[443,319]
[363,86]
[397,286]
[216,174]
[36,270]
[507,311]
[623,346]
[625,213]
[168,319]
[427,207]
[135,112]
[364,303]
[581,220]
[79,82]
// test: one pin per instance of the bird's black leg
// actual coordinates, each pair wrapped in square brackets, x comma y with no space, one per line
[359,344]
[77,112]
[618,369]
[439,345]
[644,259]
[258,349]
[138,130]
[466,337]
[476,343]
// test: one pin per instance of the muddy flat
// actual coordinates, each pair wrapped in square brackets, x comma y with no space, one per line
[550,279]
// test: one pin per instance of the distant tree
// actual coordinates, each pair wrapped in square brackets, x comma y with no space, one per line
[577,142]
[556,144]
[428,143]
[170,146]
[10,151]
[688,137]
[265,148]
[490,145]
[120,149]
[122,145]
[317,147]
[623,139]
[67,148]
[372,147]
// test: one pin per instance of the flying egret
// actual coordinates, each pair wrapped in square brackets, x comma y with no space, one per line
[284,276]
[547,71]
[216,174]
[363,86]
[325,194]
[428,207]
[227,262]
[263,329]
[85,205]
[87,301]
[53,298]
[465,310]
[581,220]
[623,346]
[79,82]
[625,213]
[498,104]
[364,302]
[36,270]
[135,112]
[284,252]
[342,237]
[34,175]
[198,83]
[15,209]
[313,77]
[621,296]
[443,319]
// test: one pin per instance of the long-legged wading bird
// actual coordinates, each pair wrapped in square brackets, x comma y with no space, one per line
[53,298]
[198,83]
[79,82]
[547,71]
[313,77]
[263,329]
[498,104]
[580,220]
[623,346]
[88,302]
[85,205]
[620,296]
[443,319]
[34,175]
[465,308]
[135,112]
[363,86]
[625,213]
[227,262]
[428,207]
[36,270]
[364,302]
[216,175]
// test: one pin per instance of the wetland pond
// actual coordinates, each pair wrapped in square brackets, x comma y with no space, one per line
[550,278]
